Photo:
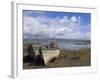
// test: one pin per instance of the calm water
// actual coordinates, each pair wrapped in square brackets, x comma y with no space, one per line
[75,44]
[63,43]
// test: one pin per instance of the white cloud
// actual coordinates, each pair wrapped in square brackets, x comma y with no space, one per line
[64,20]
[60,27]
[73,19]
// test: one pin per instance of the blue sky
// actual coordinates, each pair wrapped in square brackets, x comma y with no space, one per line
[66,25]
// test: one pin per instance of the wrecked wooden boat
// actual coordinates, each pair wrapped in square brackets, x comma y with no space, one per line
[48,53]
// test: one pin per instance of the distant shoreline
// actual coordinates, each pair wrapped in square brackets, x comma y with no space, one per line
[61,43]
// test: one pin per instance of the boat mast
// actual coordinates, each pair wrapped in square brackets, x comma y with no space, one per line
[53,37]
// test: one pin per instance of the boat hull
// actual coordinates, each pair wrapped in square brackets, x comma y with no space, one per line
[50,54]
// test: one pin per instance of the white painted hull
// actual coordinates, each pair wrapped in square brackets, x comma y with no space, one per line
[50,54]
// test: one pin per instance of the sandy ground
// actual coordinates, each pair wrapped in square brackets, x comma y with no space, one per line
[67,58]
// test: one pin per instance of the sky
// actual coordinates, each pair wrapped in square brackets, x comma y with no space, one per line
[61,25]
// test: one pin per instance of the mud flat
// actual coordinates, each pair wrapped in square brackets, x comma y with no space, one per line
[66,58]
